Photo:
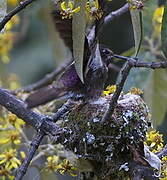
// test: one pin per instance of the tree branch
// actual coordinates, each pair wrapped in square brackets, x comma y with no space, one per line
[65,108]
[140,64]
[33,147]
[20,7]
[111,16]
[104,21]
[119,86]
[38,121]
[47,79]
[37,140]
[115,14]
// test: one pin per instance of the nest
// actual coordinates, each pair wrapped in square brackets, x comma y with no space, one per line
[111,144]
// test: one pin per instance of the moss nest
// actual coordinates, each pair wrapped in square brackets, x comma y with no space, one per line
[108,143]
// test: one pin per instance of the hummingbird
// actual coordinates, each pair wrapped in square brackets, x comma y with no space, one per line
[69,84]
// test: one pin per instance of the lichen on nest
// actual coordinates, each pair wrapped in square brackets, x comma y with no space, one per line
[108,143]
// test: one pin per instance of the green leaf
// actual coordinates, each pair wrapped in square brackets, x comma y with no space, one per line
[78,35]
[136,17]
[156,96]
[164,31]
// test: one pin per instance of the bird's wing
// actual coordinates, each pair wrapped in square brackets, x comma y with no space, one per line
[44,95]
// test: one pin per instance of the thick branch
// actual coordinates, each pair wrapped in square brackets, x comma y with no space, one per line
[20,7]
[38,121]
[33,147]
[37,140]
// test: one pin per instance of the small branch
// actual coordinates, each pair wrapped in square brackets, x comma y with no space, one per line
[119,86]
[33,147]
[47,79]
[134,63]
[131,62]
[38,121]
[65,108]
[104,21]
[115,14]
[111,16]
[20,7]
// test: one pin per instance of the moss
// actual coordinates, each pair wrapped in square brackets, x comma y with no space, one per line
[108,144]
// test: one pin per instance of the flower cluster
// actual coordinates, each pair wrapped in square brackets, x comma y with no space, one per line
[164,168]
[68,9]
[154,141]
[7,39]
[8,162]
[52,164]
[92,9]
[10,139]
[136,4]
[109,90]
[136,91]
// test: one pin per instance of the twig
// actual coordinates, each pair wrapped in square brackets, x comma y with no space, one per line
[131,62]
[65,108]
[47,79]
[111,16]
[115,14]
[119,86]
[20,7]
[38,121]
[104,21]
[134,63]
[33,147]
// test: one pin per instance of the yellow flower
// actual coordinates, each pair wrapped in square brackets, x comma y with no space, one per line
[164,168]
[12,2]
[12,136]
[136,91]
[137,4]
[109,90]
[93,9]
[13,81]
[15,121]
[52,162]
[22,154]
[7,39]
[154,141]
[9,160]
[68,9]
[14,21]
[6,43]
[66,167]
[157,20]
[5,174]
